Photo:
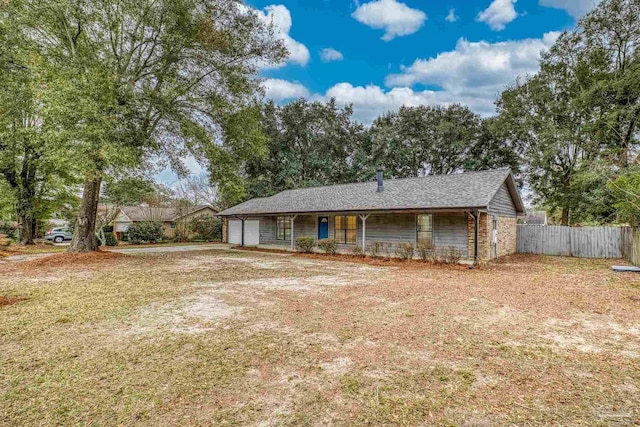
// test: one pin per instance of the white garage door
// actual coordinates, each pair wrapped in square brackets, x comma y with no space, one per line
[235,231]
[251,232]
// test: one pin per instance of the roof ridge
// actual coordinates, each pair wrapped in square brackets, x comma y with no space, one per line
[390,179]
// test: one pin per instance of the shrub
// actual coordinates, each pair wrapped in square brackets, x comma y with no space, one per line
[206,227]
[145,232]
[387,247]
[427,252]
[357,251]
[405,251]
[5,241]
[452,255]
[9,230]
[110,239]
[305,244]
[375,249]
[329,246]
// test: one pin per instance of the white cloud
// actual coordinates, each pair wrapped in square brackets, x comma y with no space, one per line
[371,101]
[575,8]
[330,54]
[451,17]
[499,14]
[397,19]
[280,16]
[473,74]
[280,90]
[476,69]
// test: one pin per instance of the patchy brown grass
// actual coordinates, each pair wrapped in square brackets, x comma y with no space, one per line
[244,338]
[73,259]
[40,248]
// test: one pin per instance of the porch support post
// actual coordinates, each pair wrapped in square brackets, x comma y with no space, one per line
[476,217]
[292,218]
[363,218]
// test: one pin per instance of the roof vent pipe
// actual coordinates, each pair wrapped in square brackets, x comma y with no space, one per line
[380,181]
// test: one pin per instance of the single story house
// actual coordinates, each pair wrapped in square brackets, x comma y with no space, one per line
[170,217]
[474,212]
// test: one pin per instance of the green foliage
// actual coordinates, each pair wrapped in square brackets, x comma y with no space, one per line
[452,255]
[375,249]
[145,232]
[133,81]
[576,122]
[110,239]
[308,144]
[5,241]
[626,189]
[9,229]
[206,227]
[405,251]
[130,191]
[305,244]
[328,246]
[435,140]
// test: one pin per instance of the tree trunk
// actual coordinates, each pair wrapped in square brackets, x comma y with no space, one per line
[26,214]
[566,189]
[565,216]
[84,233]
[26,230]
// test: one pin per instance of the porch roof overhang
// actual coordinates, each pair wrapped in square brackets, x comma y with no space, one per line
[361,211]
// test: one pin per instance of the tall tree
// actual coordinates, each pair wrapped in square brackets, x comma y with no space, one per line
[576,120]
[139,78]
[435,140]
[32,160]
[309,143]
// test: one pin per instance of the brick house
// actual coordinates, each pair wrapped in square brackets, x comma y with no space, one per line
[443,211]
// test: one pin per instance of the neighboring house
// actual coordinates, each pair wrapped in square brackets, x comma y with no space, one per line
[446,210]
[169,217]
[535,218]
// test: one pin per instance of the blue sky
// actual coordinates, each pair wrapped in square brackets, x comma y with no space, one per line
[381,54]
[386,53]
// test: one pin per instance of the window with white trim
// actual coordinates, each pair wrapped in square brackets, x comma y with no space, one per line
[345,229]
[424,229]
[283,228]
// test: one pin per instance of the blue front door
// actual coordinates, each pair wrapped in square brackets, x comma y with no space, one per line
[323,227]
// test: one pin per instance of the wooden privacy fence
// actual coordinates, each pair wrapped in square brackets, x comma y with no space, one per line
[630,244]
[581,242]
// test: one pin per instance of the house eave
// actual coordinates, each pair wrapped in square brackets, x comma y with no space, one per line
[356,211]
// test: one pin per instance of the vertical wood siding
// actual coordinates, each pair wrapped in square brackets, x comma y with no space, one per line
[502,203]
[581,242]
[630,244]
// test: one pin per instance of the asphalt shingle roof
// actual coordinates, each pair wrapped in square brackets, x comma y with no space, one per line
[455,191]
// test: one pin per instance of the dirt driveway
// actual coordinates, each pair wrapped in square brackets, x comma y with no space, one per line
[243,338]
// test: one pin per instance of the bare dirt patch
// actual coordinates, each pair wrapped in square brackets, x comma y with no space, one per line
[5,301]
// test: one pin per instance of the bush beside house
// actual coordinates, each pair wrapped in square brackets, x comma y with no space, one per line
[145,232]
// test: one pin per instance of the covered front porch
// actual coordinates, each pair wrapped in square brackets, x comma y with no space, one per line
[441,229]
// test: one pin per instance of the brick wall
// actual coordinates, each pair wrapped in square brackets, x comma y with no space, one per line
[484,237]
[507,228]
[225,225]
[507,235]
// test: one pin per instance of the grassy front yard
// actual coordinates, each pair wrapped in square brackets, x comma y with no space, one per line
[242,338]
